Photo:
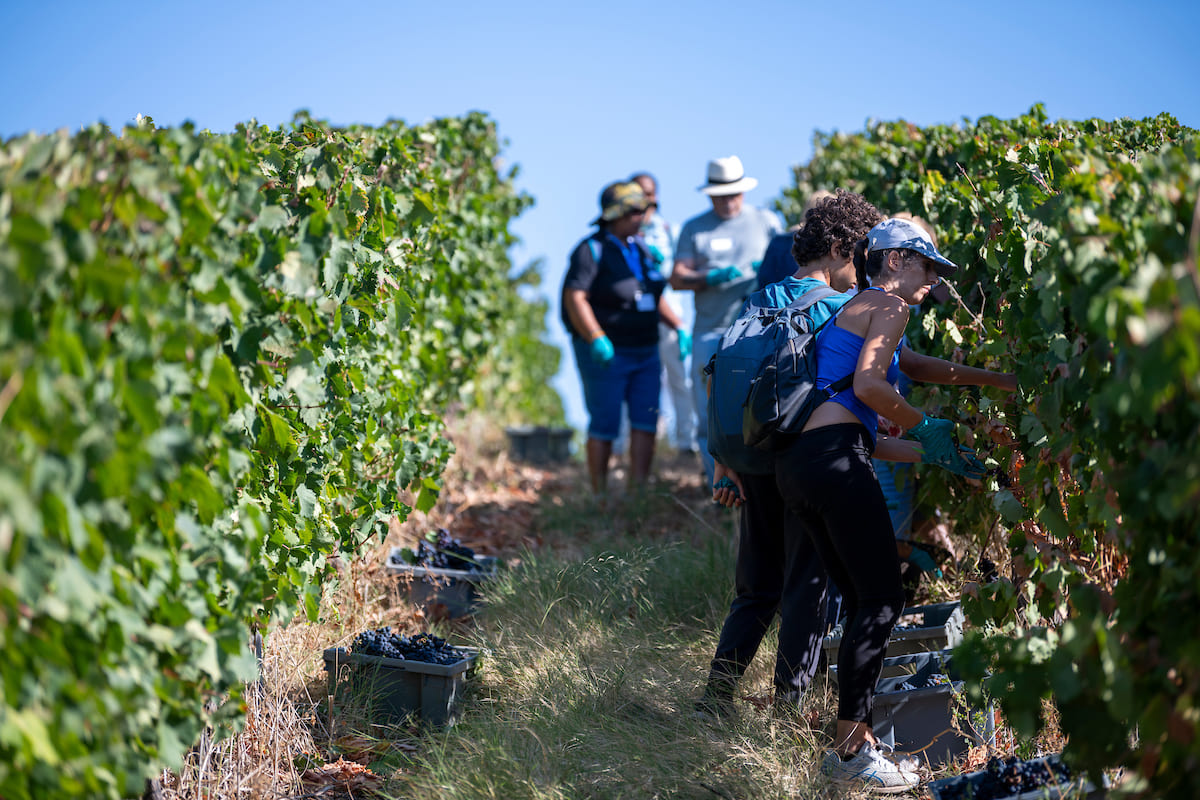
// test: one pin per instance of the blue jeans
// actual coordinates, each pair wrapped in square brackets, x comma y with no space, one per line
[704,346]
[632,377]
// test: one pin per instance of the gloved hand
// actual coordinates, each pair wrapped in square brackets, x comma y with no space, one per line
[685,344]
[939,447]
[721,275]
[602,349]
[923,560]
[726,483]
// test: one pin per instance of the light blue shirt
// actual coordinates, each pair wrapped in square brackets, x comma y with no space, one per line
[659,236]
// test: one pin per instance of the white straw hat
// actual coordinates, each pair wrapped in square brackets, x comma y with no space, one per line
[727,176]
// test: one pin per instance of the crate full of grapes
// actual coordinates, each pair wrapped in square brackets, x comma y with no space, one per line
[920,708]
[538,444]
[442,576]
[1012,778]
[392,678]
[920,629]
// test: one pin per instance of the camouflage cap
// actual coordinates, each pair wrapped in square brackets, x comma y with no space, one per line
[620,198]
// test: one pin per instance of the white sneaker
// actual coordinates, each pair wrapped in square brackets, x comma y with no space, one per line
[870,768]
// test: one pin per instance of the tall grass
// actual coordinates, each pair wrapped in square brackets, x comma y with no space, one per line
[590,672]
[595,645]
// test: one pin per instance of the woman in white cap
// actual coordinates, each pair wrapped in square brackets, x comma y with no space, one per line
[827,480]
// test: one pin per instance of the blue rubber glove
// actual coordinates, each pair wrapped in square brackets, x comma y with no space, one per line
[972,466]
[940,448]
[602,349]
[685,344]
[726,483]
[923,560]
[722,275]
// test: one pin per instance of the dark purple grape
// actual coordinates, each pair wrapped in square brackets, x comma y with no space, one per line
[445,552]
[418,647]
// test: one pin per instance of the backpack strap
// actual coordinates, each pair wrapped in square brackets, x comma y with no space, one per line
[844,383]
[595,247]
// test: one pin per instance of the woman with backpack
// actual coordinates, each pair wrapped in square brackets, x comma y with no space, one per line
[828,482]
[777,572]
[611,305]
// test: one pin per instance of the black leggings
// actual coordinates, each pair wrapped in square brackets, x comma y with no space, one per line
[777,572]
[827,480]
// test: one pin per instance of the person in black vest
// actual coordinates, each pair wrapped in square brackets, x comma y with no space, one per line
[611,305]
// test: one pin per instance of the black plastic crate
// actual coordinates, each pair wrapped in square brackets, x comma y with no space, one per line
[921,629]
[964,787]
[391,690]
[441,593]
[921,721]
[539,444]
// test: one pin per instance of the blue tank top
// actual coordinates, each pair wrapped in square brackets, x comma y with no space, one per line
[837,356]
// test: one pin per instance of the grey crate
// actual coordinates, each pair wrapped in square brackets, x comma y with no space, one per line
[393,690]
[539,444]
[922,721]
[441,593]
[963,787]
[927,628]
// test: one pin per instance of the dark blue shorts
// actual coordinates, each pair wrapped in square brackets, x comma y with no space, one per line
[632,378]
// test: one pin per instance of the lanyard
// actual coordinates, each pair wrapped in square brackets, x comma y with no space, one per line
[632,257]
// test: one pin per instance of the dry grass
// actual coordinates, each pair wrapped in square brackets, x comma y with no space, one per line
[594,647]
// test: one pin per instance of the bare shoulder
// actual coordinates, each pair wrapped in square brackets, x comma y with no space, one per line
[881,301]
[868,309]
[871,303]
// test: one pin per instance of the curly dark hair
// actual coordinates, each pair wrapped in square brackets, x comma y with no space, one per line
[838,221]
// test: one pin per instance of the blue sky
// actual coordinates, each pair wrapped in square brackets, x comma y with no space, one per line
[586,93]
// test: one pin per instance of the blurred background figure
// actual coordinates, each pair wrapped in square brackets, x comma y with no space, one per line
[659,236]
[611,306]
[717,258]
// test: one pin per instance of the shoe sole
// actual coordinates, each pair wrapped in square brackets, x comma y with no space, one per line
[874,787]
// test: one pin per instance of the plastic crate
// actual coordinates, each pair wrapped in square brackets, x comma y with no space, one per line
[441,593]
[922,721]
[962,787]
[538,444]
[391,690]
[927,629]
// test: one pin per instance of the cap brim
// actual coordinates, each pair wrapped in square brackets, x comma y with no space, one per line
[945,267]
[721,189]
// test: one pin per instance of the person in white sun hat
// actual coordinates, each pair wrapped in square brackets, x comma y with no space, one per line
[717,257]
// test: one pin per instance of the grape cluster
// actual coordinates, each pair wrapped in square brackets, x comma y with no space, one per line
[987,571]
[445,552]
[1006,777]
[924,682]
[418,647]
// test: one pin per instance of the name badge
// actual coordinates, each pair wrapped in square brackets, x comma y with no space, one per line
[720,245]
[645,302]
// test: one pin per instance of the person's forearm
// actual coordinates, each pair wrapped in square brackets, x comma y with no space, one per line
[889,448]
[928,369]
[579,311]
[684,278]
[882,398]
[668,315]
